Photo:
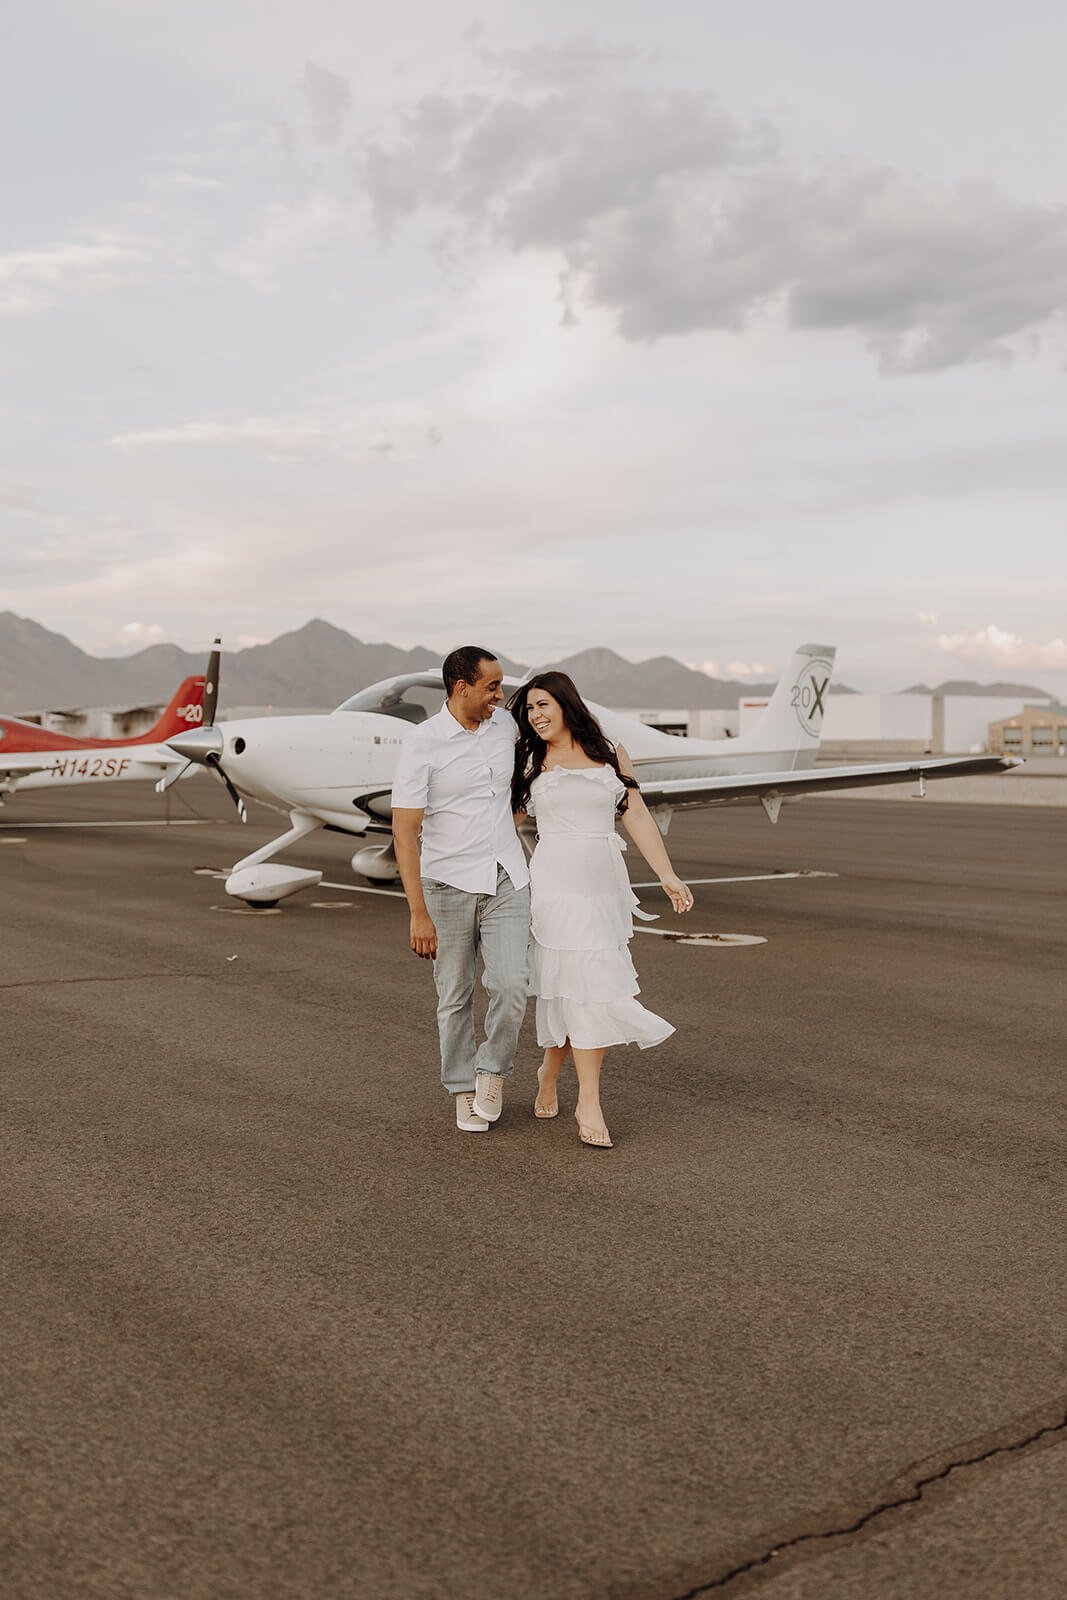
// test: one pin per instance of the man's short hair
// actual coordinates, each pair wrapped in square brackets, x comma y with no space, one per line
[463,665]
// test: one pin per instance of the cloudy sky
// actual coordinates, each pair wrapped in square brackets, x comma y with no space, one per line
[700,329]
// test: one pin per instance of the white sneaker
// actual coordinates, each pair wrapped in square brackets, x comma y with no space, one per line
[466,1117]
[488,1095]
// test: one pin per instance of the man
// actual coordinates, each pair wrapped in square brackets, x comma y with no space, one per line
[471,891]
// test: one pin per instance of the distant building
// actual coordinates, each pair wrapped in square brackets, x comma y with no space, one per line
[98,722]
[698,724]
[1038,730]
[884,725]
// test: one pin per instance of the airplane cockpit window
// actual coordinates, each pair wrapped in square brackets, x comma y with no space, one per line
[412,697]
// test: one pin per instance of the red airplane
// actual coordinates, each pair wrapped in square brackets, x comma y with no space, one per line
[32,757]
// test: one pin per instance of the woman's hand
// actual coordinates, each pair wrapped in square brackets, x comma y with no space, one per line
[678,893]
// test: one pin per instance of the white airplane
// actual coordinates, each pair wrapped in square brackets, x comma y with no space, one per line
[335,770]
[32,757]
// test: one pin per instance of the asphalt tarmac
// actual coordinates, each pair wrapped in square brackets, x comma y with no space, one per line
[273,1328]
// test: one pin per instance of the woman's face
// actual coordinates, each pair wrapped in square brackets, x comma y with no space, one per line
[545,714]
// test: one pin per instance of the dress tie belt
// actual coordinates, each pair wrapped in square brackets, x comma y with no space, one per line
[613,838]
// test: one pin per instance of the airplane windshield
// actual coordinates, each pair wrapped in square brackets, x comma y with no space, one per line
[412,697]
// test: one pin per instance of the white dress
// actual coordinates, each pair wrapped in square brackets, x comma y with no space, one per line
[582,910]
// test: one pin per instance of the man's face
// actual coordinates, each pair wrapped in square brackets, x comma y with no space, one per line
[481,699]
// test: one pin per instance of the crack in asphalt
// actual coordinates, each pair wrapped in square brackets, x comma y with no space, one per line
[121,977]
[905,1490]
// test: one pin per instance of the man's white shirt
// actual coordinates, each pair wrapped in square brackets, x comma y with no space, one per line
[461,780]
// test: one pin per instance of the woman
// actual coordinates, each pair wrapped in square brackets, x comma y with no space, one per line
[577,783]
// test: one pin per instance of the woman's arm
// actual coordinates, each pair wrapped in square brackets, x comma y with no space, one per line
[640,825]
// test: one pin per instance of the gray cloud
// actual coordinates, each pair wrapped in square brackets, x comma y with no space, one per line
[676,217]
[542,168]
[330,97]
[574,61]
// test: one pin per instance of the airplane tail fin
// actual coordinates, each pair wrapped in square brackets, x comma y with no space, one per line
[791,723]
[185,711]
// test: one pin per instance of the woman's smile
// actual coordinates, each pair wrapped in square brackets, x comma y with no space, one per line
[545,716]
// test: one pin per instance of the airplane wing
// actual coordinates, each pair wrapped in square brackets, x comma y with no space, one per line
[15,767]
[683,793]
[10,775]
[771,788]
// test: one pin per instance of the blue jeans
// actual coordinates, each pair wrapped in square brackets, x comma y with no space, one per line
[498,925]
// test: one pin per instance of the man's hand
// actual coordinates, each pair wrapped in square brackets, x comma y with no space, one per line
[406,824]
[423,935]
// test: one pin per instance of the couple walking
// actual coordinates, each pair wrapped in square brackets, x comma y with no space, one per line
[558,929]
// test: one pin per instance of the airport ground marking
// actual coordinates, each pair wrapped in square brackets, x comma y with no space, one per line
[148,822]
[680,936]
[250,911]
[709,941]
[749,877]
[757,877]
[360,888]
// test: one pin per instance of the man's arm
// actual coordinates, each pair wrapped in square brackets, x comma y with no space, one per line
[406,825]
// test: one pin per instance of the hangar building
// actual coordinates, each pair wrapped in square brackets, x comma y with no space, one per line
[1036,730]
[887,725]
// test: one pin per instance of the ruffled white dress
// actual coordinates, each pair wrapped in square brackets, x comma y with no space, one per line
[582,910]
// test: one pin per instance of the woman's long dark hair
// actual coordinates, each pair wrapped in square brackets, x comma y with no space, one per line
[580,723]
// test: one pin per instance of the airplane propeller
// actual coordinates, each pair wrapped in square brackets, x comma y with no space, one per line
[204,744]
[211,683]
[214,761]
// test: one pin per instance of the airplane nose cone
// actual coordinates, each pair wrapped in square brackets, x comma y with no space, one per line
[197,744]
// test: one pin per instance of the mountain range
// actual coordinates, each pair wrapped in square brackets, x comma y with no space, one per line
[320,665]
[317,665]
[995,691]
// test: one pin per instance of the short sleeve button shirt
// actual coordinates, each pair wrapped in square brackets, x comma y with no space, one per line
[461,780]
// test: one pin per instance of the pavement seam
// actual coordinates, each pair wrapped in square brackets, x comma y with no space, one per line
[906,1489]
